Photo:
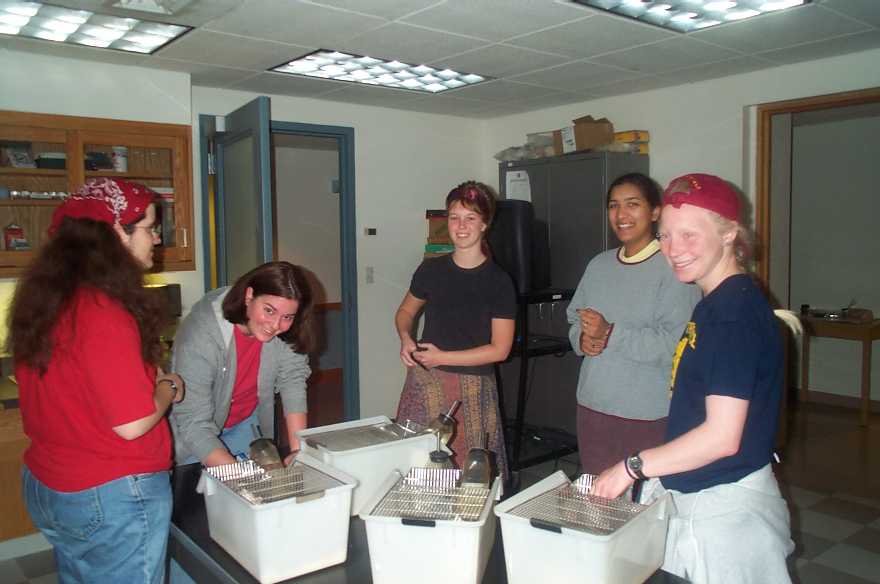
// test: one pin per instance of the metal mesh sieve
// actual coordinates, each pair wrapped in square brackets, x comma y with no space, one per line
[432,494]
[571,506]
[256,486]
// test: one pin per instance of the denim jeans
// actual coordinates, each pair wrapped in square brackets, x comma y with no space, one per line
[115,532]
[237,439]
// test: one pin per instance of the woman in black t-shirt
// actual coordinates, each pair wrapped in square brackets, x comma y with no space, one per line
[469,307]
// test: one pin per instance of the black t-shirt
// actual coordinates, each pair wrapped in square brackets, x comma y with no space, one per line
[460,305]
[732,347]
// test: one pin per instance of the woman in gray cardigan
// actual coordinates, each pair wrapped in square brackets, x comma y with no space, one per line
[236,349]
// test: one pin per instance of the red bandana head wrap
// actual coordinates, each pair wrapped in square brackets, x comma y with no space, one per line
[110,200]
[705,191]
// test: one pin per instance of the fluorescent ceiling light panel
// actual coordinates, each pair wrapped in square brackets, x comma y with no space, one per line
[326,64]
[82,27]
[688,15]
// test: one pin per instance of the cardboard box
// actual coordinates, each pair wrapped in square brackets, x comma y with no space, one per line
[586,133]
[632,136]
[589,133]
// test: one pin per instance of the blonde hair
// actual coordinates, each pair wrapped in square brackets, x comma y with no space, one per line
[743,243]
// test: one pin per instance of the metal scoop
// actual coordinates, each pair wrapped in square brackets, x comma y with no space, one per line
[477,468]
[264,452]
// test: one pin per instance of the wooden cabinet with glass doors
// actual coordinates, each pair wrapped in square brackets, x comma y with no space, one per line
[45,157]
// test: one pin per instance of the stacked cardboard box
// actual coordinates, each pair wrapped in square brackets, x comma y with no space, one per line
[586,133]
[636,140]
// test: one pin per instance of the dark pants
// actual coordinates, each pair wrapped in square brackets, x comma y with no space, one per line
[605,440]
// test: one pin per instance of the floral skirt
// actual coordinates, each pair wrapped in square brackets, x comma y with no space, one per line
[428,393]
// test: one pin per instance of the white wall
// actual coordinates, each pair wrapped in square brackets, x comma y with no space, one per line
[307,211]
[53,85]
[405,162]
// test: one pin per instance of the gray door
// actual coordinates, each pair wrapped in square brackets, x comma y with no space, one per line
[244,192]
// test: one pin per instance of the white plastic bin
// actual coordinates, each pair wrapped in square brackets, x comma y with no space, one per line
[283,539]
[370,464]
[546,553]
[406,551]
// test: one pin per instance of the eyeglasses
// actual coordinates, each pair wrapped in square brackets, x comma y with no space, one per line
[156,230]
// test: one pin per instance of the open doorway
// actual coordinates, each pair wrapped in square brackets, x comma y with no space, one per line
[286,222]
[816,206]
[307,233]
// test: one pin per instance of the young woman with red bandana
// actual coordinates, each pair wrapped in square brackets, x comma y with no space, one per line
[85,340]
[469,307]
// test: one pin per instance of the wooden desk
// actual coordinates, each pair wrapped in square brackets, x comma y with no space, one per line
[867,333]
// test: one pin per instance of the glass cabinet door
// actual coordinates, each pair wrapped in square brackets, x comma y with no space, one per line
[33,182]
[155,162]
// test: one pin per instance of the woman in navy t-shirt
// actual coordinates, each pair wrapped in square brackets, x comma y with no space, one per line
[730,524]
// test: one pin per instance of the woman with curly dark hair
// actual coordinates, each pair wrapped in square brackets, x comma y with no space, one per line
[470,309]
[237,348]
[84,335]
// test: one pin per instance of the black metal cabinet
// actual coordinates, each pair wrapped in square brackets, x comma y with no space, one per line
[568,197]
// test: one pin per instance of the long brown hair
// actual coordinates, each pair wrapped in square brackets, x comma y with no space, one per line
[83,253]
[281,279]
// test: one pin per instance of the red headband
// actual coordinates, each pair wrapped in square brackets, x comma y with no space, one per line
[110,200]
[705,191]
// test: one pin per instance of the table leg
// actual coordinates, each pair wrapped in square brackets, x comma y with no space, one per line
[866,381]
[803,394]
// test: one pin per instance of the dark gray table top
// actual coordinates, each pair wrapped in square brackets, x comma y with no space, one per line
[192,547]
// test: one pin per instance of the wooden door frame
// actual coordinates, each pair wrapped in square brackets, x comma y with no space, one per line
[765,113]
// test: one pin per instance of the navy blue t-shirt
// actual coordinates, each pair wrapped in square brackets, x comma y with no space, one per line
[460,305]
[732,347]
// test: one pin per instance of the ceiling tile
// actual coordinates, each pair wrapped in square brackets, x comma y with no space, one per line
[206,75]
[852,43]
[188,13]
[865,10]
[448,105]
[782,29]
[576,76]
[646,83]
[372,95]
[668,55]
[496,19]
[217,48]
[390,9]
[553,100]
[409,44]
[501,90]
[294,22]
[499,61]
[281,84]
[714,70]
[68,51]
[592,36]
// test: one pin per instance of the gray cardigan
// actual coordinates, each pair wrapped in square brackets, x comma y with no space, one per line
[649,308]
[204,356]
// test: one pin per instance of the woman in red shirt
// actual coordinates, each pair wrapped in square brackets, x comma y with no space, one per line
[85,341]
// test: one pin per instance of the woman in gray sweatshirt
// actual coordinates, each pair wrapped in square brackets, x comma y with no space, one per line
[236,349]
[626,316]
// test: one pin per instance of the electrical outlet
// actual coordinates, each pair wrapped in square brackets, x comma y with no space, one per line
[370,275]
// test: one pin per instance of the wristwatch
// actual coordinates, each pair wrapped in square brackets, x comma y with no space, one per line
[634,466]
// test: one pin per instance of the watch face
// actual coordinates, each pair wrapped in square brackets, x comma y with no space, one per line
[635,462]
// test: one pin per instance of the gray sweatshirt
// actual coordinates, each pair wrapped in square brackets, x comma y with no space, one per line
[204,356]
[649,308]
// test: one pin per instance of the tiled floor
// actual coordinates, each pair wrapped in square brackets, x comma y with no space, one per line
[830,475]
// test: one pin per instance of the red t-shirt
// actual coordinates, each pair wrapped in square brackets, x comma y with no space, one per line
[247,366]
[96,380]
